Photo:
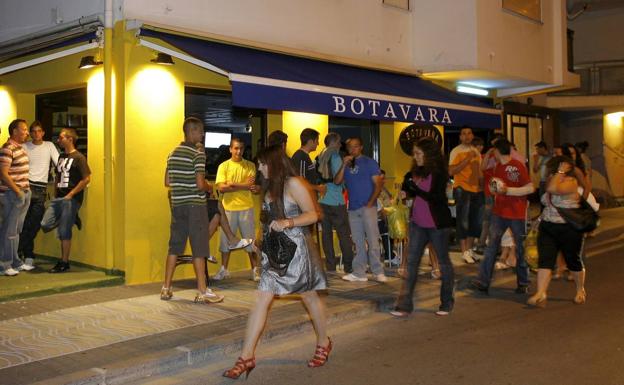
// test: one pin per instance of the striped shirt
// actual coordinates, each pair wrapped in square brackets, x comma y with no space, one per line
[183,164]
[13,156]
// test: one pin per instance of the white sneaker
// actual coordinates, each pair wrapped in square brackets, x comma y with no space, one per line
[467,257]
[352,278]
[10,272]
[241,244]
[255,274]
[381,278]
[211,259]
[474,255]
[25,267]
[501,266]
[222,274]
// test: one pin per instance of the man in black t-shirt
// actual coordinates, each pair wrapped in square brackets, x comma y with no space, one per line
[72,176]
[302,162]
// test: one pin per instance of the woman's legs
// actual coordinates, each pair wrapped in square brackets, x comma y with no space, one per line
[255,323]
[579,280]
[417,240]
[316,308]
[440,239]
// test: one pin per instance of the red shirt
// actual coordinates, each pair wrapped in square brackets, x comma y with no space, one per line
[513,174]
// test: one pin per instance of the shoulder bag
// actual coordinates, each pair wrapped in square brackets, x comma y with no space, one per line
[583,219]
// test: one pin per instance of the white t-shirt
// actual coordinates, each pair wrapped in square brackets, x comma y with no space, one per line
[40,156]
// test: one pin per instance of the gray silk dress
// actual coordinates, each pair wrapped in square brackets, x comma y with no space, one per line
[305,271]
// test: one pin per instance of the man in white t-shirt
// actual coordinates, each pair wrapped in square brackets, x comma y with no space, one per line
[41,154]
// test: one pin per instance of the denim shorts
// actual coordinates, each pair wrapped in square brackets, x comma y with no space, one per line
[60,214]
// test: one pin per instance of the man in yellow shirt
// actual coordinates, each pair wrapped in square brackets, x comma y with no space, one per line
[235,181]
[465,168]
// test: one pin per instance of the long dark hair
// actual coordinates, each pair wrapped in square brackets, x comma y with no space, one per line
[578,162]
[279,168]
[433,159]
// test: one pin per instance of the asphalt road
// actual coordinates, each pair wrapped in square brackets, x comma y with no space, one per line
[486,340]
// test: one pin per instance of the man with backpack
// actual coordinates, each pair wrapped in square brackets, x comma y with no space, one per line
[333,205]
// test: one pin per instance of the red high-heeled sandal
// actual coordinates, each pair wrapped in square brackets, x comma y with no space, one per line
[241,366]
[321,355]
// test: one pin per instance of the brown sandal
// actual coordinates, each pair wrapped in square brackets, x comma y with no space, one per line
[321,355]
[241,366]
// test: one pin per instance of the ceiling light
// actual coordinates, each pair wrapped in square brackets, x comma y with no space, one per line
[163,58]
[88,62]
[472,91]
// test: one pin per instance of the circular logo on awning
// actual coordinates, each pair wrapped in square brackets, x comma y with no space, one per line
[412,133]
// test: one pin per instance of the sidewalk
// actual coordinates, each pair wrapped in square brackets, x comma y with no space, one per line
[39,282]
[118,334]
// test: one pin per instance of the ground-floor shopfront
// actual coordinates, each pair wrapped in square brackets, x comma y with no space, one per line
[131,117]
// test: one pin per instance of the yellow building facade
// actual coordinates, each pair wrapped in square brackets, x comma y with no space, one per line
[135,114]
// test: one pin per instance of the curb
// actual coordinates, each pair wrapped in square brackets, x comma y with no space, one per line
[342,309]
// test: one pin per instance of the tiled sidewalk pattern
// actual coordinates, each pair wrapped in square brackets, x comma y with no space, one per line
[56,333]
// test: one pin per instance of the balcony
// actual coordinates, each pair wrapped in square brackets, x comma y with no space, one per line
[597,78]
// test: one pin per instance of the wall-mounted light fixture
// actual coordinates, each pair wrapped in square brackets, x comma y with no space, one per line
[163,58]
[88,62]
[472,90]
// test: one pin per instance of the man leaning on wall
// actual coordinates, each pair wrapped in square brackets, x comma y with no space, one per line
[14,195]
[40,154]
[72,177]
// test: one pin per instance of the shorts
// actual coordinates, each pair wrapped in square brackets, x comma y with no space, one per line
[239,220]
[213,208]
[189,222]
[61,215]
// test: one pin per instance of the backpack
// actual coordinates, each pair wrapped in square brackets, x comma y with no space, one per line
[322,180]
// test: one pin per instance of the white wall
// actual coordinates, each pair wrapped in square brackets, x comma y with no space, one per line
[362,30]
[21,17]
[445,35]
[598,36]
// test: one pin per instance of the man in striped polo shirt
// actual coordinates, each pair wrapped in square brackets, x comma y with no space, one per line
[185,176]
[14,195]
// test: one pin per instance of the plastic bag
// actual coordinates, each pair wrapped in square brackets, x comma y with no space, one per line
[397,215]
[530,247]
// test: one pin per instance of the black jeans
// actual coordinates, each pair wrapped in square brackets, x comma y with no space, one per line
[418,239]
[32,223]
[336,217]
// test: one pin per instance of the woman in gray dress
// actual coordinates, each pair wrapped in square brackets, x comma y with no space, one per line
[288,207]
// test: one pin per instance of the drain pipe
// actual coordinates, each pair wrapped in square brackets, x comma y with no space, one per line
[109,248]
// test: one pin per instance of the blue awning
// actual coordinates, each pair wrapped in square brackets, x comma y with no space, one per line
[270,80]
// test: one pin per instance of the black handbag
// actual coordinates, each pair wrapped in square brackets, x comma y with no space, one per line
[583,219]
[280,251]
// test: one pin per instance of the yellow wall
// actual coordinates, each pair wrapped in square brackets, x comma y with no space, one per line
[614,153]
[294,122]
[58,75]
[8,110]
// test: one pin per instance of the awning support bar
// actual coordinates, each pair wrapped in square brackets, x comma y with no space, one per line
[47,58]
[182,56]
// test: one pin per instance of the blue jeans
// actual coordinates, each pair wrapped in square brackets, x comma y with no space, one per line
[14,211]
[32,222]
[469,213]
[498,226]
[419,238]
[363,223]
[61,214]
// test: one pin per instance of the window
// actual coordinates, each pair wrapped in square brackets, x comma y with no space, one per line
[531,9]
[222,121]
[367,130]
[63,109]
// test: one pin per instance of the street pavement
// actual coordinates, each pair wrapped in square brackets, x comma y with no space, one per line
[486,340]
[125,333]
